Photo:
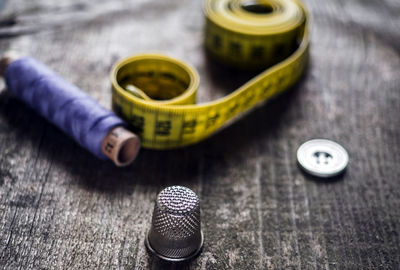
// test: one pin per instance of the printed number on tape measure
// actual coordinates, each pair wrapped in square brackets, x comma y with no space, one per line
[156,94]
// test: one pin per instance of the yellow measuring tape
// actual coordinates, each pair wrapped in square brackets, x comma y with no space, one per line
[157,94]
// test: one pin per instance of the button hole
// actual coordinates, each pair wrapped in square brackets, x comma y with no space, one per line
[322,157]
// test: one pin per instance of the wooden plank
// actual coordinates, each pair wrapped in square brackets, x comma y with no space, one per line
[61,208]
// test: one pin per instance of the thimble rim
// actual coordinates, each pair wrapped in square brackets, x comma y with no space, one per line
[186,258]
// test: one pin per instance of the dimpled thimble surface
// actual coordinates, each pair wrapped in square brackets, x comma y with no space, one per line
[175,233]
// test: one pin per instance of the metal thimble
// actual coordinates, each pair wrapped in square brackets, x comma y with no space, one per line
[175,233]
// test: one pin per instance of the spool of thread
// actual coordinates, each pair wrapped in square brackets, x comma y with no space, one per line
[95,128]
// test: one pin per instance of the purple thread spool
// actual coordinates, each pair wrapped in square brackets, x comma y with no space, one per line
[95,128]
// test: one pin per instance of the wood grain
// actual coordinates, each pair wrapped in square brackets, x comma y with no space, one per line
[60,208]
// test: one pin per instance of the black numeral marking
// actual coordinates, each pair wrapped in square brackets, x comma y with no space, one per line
[137,123]
[217,42]
[212,120]
[109,147]
[189,127]
[235,49]
[163,128]
[257,52]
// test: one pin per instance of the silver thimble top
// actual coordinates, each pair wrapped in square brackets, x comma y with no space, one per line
[175,233]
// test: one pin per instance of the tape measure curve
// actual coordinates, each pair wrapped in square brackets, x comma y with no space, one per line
[156,94]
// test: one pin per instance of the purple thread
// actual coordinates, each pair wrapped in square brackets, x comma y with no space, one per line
[61,103]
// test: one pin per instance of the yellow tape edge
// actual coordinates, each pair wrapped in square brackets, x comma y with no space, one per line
[167,107]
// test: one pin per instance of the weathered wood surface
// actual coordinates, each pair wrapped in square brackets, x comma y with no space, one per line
[60,208]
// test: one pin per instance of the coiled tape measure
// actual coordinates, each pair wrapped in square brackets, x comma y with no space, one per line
[157,94]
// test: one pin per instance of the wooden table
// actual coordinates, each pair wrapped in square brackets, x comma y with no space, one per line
[61,208]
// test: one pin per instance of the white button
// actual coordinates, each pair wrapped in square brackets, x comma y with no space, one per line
[322,158]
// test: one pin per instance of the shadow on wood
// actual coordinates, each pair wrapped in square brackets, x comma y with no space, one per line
[92,173]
